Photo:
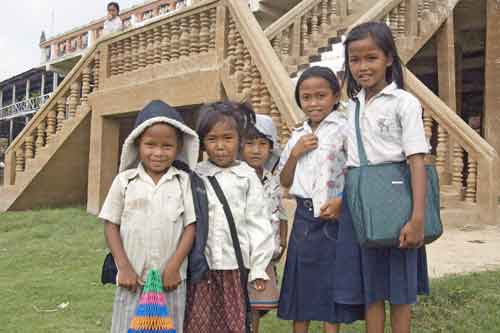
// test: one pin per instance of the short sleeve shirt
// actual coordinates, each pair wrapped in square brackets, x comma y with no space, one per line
[391,127]
[152,217]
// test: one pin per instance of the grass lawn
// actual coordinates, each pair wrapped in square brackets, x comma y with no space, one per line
[53,257]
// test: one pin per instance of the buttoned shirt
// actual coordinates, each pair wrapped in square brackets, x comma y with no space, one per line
[319,174]
[274,199]
[245,195]
[391,127]
[152,217]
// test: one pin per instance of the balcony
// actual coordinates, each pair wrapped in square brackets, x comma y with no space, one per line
[23,108]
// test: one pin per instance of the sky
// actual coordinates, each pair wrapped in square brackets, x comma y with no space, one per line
[22,21]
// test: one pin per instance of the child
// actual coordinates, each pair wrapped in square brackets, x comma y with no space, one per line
[260,150]
[392,131]
[113,21]
[217,303]
[149,211]
[312,166]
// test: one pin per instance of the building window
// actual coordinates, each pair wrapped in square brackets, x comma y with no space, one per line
[85,40]
[73,44]
[163,9]
[127,22]
[62,49]
[48,53]
[147,15]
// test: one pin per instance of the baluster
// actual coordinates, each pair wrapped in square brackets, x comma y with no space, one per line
[157,45]
[231,47]
[401,19]
[315,26]
[255,89]
[141,53]
[239,52]
[61,114]
[195,35]
[324,16]
[150,48]
[441,150]
[112,60]
[40,136]
[174,42]
[305,35]
[134,41]
[285,132]
[73,99]
[457,166]
[426,5]
[470,192]
[85,87]
[51,125]
[213,22]
[333,11]
[275,115]
[165,48]
[28,147]
[393,20]
[204,31]
[285,45]
[97,68]
[276,44]
[246,86]
[428,122]
[184,40]
[119,58]
[127,50]
[20,160]
[265,101]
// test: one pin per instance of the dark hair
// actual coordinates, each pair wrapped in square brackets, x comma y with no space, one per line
[240,115]
[117,6]
[324,73]
[383,38]
[253,133]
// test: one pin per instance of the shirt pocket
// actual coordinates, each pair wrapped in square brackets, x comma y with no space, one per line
[388,126]
[174,208]
[134,211]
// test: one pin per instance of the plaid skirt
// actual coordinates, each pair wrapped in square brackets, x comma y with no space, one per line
[216,304]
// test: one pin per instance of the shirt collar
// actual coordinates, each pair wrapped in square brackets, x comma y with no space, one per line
[209,169]
[335,117]
[390,89]
[141,173]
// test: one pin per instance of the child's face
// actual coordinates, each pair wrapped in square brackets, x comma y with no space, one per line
[112,12]
[256,152]
[368,64]
[158,148]
[317,99]
[221,143]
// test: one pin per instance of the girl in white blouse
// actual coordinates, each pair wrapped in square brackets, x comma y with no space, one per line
[217,303]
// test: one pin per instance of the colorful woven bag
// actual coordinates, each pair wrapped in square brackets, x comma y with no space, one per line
[152,315]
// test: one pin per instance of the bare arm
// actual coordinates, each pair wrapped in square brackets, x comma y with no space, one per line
[412,235]
[305,144]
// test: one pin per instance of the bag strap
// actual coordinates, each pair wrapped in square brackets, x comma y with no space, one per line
[234,237]
[363,159]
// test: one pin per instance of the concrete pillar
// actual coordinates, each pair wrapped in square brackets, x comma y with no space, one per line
[492,75]
[13,93]
[55,81]
[445,42]
[103,159]
[11,130]
[28,87]
[1,98]
[42,85]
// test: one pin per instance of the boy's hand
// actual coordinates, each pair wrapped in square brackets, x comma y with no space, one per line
[305,144]
[412,234]
[259,284]
[331,209]
[171,278]
[127,278]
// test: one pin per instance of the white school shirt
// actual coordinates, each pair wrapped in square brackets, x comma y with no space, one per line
[274,199]
[391,127]
[112,26]
[244,192]
[319,174]
[152,217]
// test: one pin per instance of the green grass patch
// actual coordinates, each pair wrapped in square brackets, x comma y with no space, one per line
[52,257]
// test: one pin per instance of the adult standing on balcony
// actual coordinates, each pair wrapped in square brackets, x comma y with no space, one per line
[113,22]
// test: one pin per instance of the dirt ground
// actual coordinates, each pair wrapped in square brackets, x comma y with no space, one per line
[461,249]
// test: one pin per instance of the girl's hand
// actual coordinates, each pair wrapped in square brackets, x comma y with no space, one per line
[171,278]
[305,144]
[412,234]
[127,278]
[259,284]
[331,209]
[282,252]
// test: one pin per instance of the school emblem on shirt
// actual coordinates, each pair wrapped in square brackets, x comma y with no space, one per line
[384,125]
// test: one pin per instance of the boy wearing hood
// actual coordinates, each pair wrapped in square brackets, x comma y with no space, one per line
[149,212]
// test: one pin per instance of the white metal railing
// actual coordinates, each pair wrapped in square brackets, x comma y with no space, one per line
[25,107]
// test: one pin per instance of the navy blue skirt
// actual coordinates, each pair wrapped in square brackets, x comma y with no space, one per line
[378,274]
[308,288]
